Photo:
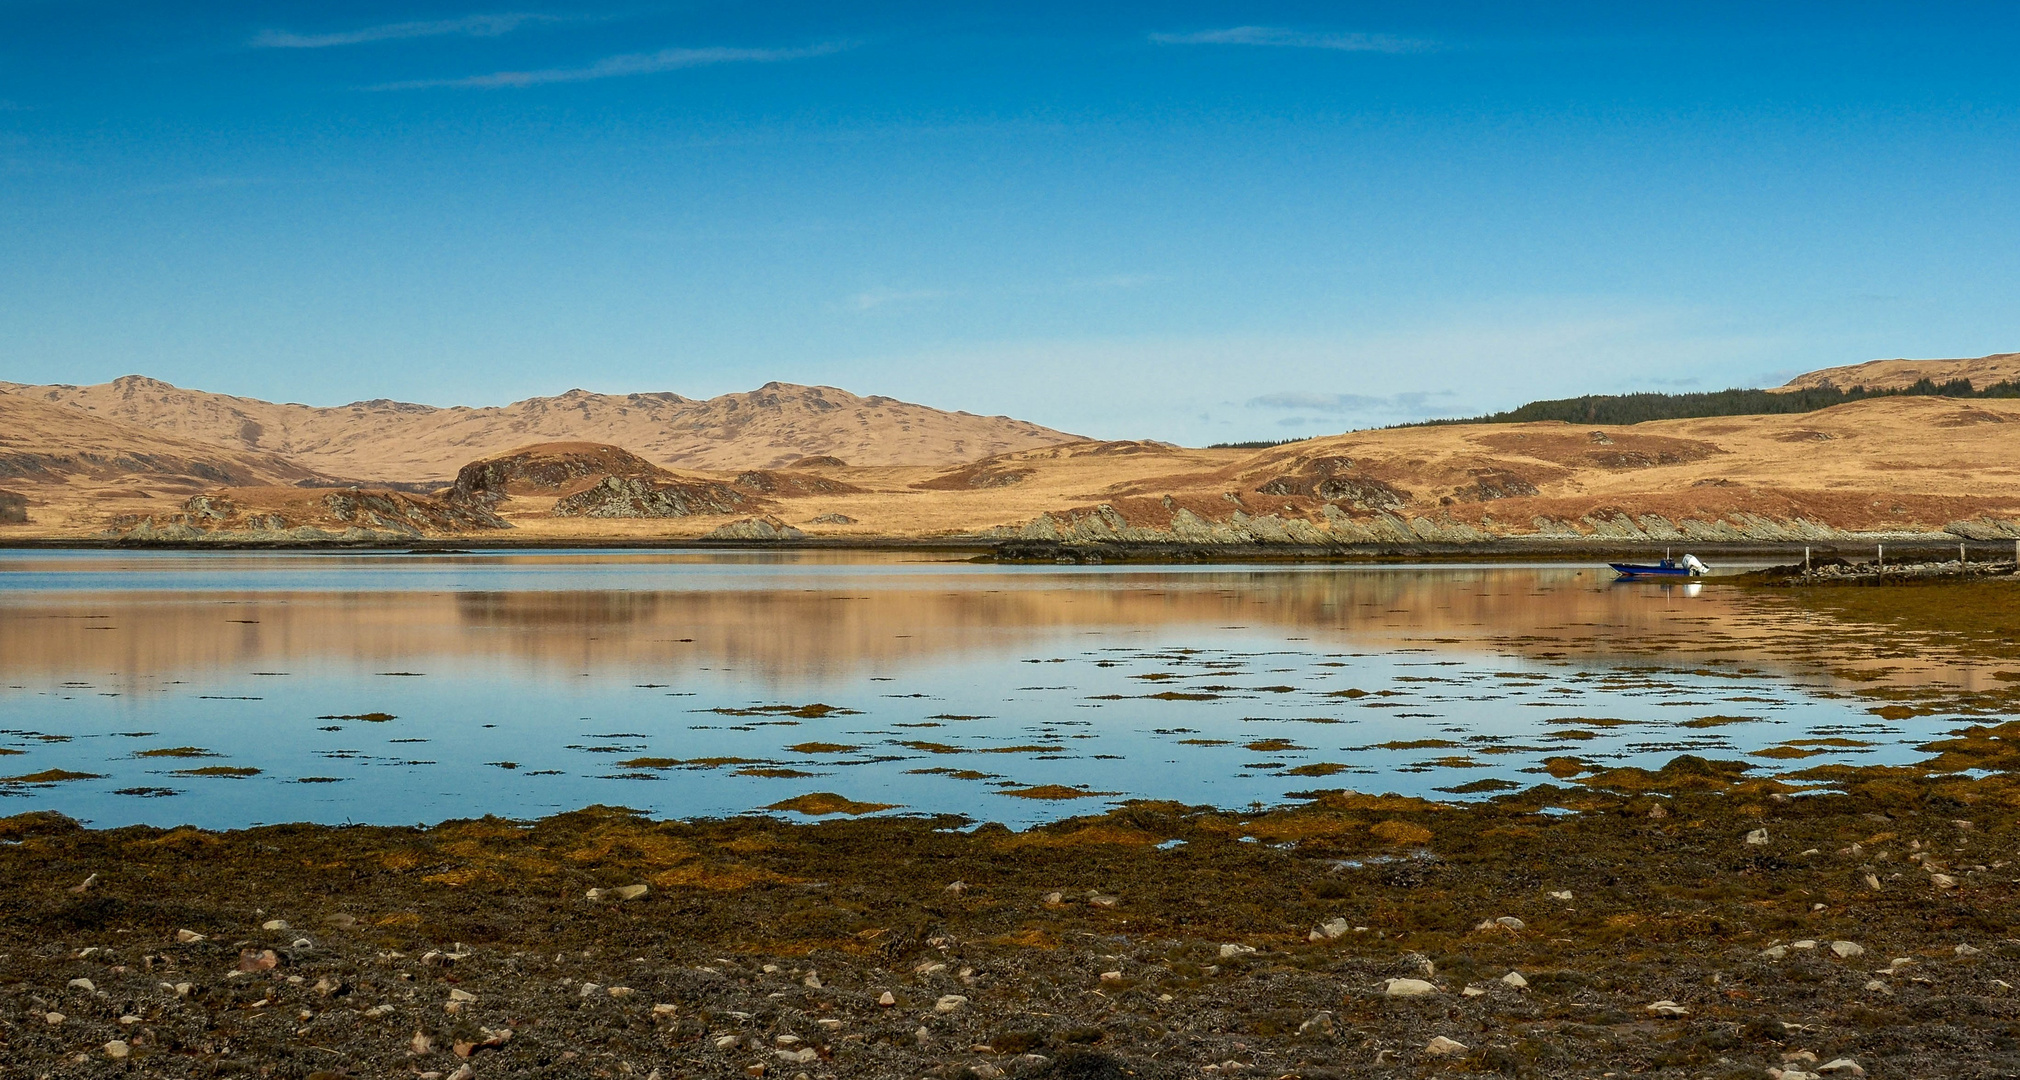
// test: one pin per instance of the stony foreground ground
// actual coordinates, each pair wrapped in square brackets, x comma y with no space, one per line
[1678,923]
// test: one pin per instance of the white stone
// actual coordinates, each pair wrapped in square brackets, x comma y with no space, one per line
[1561,894]
[274,924]
[1757,837]
[1942,881]
[725,1042]
[85,985]
[188,937]
[1472,991]
[1961,950]
[1667,1007]
[621,892]
[1330,929]
[1845,1066]
[620,991]
[664,1009]
[887,999]
[117,1050]
[1111,976]
[1053,898]
[377,1011]
[461,995]
[1774,952]
[52,1017]
[1515,979]
[949,1003]
[1876,986]
[1229,952]
[1803,944]
[1848,949]
[1510,922]
[1407,988]
[1441,1046]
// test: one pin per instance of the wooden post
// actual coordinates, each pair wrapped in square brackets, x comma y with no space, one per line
[1806,560]
[1960,556]
[1883,556]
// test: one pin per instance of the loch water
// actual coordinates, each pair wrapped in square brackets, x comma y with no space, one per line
[224,689]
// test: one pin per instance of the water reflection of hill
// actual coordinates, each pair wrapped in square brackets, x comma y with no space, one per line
[833,625]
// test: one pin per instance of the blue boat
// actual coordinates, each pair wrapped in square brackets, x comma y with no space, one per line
[1686,567]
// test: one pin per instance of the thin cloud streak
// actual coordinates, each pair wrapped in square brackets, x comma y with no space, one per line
[628,64]
[469,26]
[1284,37]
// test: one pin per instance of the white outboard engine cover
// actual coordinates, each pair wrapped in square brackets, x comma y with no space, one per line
[1697,569]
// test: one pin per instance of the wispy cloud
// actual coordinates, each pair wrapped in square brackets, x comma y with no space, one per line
[1300,401]
[628,64]
[1284,37]
[876,298]
[467,26]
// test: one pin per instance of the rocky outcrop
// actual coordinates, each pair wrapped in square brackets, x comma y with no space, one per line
[269,515]
[764,528]
[1333,526]
[13,508]
[632,497]
[787,484]
[549,469]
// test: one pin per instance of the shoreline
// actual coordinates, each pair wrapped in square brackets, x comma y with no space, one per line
[984,549]
[1682,918]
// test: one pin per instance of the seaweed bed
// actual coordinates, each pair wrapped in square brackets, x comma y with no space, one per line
[1093,947]
[1688,922]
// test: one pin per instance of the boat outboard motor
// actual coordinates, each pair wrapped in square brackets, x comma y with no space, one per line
[1697,569]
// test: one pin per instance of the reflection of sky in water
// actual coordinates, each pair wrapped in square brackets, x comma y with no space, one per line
[996,680]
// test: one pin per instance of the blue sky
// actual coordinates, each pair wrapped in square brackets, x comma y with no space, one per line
[1194,222]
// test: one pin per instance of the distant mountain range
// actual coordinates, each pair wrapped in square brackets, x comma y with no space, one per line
[392,441]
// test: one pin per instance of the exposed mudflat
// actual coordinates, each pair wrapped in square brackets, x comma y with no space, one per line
[1091,947]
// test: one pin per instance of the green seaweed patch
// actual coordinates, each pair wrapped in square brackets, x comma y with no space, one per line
[1351,692]
[823,748]
[1786,753]
[8,751]
[773,772]
[1685,772]
[1564,768]
[1056,791]
[1323,768]
[176,752]
[1415,744]
[50,776]
[823,803]
[1180,695]
[319,780]
[1898,712]
[1479,787]
[956,774]
[1838,741]
[234,771]
[1273,746]
[1591,721]
[1456,761]
[931,747]
[687,763]
[1204,742]
[815,711]
[367,717]
[1574,735]
[955,716]
[1718,721]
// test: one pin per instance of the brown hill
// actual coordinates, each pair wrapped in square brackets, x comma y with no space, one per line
[1896,374]
[44,443]
[561,468]
[396,441]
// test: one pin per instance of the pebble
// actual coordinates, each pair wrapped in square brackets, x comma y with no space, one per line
[1774,952]
[1111,976]
[1561,894]
[128,1020]
[1757,837]
[1666,1007]
[377,1011]
[461,995]
[801,1056]
[949,1003]
[1321,1024]
[1230,952]
[117,1050]
[1803,944]
[1053,898]
[621,892]
[1441,1046]
[1942,881]
[812,981]
[620,991]
[1101,901]
[83,984]
[188,937]
[1961,950]
[725,1042]
[1845,1066]
[1515,979]
[986,1071]
[1408,988]
[887,999]
[1876,986]
[274,924]
[1848,949]
[664,1009]
[1473,991]
[53,1018]
[1873,882]
[957,888]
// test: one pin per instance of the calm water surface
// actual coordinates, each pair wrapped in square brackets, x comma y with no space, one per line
[224,689]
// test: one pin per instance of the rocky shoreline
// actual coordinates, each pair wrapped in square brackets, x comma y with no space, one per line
[1687,922]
